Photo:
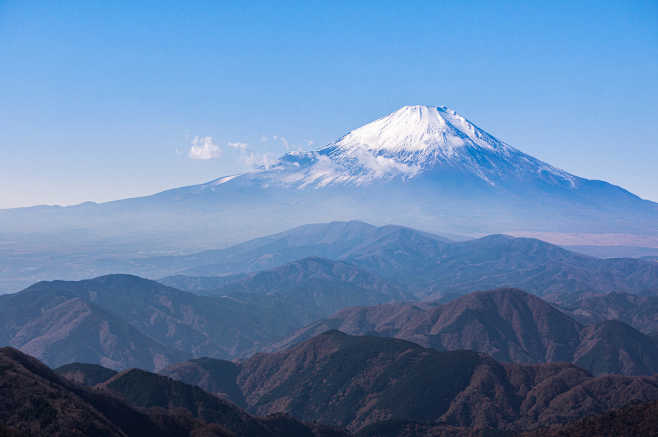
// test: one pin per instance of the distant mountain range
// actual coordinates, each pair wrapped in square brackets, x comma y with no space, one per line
[123,321]
[510,325]
[421,263]
[306,275]
[602,251]
[421,166]
[372,284]
[308,289]
[63,323]
[641,312]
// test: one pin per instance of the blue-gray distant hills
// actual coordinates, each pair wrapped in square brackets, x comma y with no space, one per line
[424,167]
[423,264]
[232,302]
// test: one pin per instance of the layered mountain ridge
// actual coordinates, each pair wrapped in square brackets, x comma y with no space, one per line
[420,262]
[357,381]
[272,286]
[38,402]
[510,325]
[421,166]
[123,321]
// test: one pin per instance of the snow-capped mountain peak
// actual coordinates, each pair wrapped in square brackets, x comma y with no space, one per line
[418,129]
[408,143]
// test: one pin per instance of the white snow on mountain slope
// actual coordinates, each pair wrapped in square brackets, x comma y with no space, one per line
[407,143]
[223,180]
[418,129]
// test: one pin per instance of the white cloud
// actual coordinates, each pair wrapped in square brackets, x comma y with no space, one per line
[284,141]
[259,160]
[377,166]
[358,167]
[204,148]
[237,145]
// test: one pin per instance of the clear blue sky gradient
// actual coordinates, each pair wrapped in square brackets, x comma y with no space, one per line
[101,100]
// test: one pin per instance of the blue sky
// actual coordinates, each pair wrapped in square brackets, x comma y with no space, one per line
[103,100]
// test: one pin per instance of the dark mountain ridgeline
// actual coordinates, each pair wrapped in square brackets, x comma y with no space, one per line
[61,325]
[638,419]
[218,377]
[182,324]
[122,321]
[375,386]
[359,382]
[510,325]
[147,390]
[641,312]
[615,347]
[85,374]
[35,401]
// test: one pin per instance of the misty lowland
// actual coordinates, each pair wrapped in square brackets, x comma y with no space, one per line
[328,219]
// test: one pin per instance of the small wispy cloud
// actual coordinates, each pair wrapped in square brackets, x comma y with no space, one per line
[204,148]
[282,140]
[256,161]
[238,145]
